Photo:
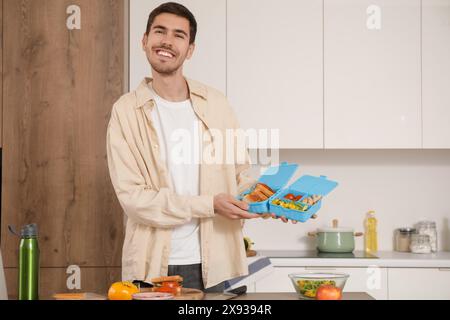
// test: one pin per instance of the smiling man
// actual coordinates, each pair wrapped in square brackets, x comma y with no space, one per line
[182,214]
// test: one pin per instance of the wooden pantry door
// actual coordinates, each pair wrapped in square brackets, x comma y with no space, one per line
[1,72]
[59,85]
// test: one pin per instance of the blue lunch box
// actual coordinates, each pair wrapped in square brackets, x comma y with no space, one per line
[276,177]
[305,186]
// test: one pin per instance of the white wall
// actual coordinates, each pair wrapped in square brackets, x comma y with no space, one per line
[403,186]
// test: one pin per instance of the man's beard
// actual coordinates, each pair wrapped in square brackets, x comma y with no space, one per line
[164,69]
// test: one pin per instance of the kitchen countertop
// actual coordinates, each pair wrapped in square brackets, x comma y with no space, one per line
[261,296]
[387,259]
[290,296]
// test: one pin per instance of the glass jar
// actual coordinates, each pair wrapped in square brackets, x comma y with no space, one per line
[420,243]
[429,228]
[403,239]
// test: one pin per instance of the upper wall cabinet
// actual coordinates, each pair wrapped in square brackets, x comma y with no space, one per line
[372,74]
[436,73]
[275,68]
[208,63]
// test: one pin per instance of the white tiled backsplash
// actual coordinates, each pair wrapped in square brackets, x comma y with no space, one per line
[402,186]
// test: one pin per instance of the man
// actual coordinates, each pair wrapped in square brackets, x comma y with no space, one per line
[182,214]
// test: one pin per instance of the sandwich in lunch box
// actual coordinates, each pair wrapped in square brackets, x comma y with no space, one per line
[260,193]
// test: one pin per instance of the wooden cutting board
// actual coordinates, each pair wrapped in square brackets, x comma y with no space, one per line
[79,296]
[186,294]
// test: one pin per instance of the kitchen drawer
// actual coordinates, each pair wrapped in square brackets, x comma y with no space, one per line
[372,281]
[419,283]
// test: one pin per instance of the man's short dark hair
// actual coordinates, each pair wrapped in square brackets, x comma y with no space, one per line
[178,10]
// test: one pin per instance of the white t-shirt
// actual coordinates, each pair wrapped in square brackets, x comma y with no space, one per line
[178,129]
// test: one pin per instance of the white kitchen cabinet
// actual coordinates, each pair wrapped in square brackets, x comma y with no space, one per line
[251,288]
[278,280]
[275,68]
[208,64]
[421,284]
[372,84]
[436,73]
[373,281]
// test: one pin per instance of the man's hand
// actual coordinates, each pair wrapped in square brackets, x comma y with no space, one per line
[274,216]
[284,219]
[231,208]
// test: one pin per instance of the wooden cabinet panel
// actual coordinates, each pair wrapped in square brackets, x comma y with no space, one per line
[436,73]
[1,78]
[372,74]
[59,86]
[54,280]
[275,68]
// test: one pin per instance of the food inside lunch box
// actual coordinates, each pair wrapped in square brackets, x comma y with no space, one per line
[259,193]
[293,197]
[303,204]
[309,288]
[291,205]
[312,200]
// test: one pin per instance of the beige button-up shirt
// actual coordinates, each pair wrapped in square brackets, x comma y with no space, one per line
[151,207]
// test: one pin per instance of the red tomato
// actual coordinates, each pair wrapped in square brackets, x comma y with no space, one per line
[328,292]
[298,197]
[171,284]
[289,196]
[166,290]
[172,287]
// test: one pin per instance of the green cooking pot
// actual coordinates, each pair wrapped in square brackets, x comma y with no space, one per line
[335,240]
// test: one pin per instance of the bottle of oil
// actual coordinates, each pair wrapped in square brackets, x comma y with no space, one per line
[371,237]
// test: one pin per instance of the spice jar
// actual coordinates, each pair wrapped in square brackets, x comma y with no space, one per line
[420,243]
[429,228]
[403,239]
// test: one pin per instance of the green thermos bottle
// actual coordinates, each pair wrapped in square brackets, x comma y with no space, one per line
[29,263]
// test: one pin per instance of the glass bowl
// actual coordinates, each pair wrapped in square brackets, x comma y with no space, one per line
[306,284]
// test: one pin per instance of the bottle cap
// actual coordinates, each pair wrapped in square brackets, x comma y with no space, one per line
[407,230]
[30,230]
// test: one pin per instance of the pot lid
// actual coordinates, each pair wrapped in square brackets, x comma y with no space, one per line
[340,229]
[335,228]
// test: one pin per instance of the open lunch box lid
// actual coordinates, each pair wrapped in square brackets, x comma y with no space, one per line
[314,185]
[276,177]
